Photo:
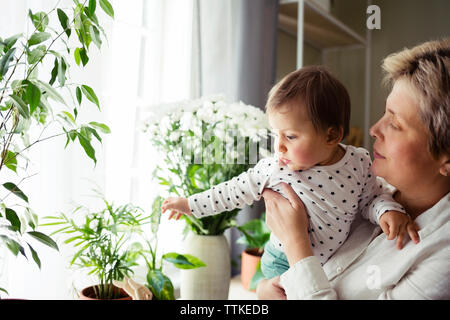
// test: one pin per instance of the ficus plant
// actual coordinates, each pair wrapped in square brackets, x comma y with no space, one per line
[31,102]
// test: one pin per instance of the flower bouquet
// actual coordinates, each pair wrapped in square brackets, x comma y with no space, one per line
[202,143]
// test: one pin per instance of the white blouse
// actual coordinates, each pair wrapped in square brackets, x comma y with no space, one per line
[368,266]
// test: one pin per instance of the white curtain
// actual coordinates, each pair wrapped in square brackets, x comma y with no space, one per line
[238,58]
[152,57]
[146,61]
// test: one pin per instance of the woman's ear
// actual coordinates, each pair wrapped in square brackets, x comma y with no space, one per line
[335,135]
[445,167]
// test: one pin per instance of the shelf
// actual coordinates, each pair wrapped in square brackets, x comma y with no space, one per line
[321,29]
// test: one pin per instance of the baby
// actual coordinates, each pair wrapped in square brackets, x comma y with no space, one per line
[309,112]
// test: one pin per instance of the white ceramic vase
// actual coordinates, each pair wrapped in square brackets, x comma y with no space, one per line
[213,281]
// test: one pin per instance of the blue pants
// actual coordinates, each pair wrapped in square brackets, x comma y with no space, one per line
[273,261]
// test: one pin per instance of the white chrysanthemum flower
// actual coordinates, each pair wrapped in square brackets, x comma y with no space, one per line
[226,121]
[174,136]
[188,120]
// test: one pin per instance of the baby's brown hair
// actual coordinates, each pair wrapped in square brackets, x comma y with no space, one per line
[324,96]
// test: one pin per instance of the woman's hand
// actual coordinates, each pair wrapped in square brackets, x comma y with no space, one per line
[270,290]
[288,220]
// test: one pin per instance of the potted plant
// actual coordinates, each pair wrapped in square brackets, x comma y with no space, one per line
[30,101]
[202,143]
[255,236]
[158,282]
[103,242]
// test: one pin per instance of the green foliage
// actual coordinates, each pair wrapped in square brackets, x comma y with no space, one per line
[160,285]
[255,234]
[201,144]
[28,101]
[104,241]
[15,233]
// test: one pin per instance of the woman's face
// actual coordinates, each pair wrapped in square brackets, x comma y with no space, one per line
[401,153]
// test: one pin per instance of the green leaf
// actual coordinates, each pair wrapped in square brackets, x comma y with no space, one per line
[12,217]
[38,37]
[102,127]
[40,20]
[15,190]
[36,54]
[94,132]
[92,6]
[70,116]
[80,55]
[50,91]
[12,245]
[31,217]
[63,20]
[10,161]
[76,55]
[82,24]
[83,56]
[107,7]
[21,106]
[160,284]
[79,95]
[155,216]
[9,42]
[95,34]
[35,256]
[90,94]
[44,239]
[62,71]
[5,61]
[185,261]
[255,233]
[33,96]
[86,144]
[54,72]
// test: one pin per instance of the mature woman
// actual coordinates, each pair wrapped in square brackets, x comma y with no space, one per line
[412,153]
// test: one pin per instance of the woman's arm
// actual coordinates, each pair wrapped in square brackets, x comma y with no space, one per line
[288,220]
[306,279]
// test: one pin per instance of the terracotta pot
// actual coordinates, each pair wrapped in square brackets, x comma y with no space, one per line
[89,294]
[249,262]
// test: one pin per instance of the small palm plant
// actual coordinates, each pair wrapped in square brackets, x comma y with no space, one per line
[104,241]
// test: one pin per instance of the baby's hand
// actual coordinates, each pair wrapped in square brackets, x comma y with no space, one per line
[396,224]
[178,206]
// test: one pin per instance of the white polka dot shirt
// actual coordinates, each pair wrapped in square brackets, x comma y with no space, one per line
[332,194]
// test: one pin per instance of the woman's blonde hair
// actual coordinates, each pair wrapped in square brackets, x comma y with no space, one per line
[427,68]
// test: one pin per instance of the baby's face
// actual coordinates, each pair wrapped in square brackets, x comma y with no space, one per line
[297,143]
